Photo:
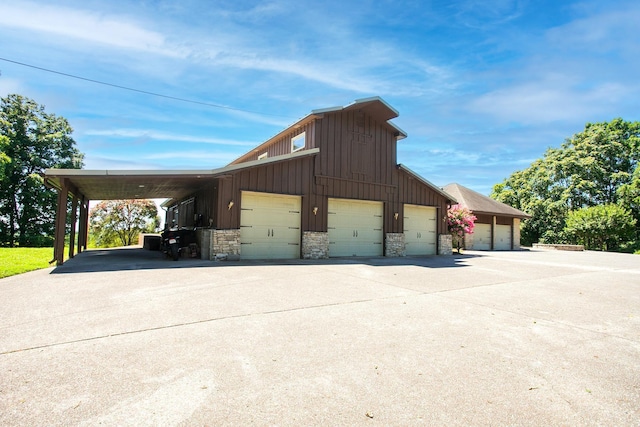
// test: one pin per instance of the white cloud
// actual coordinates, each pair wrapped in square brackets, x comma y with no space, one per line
[481,14]
[346,62]
[218,157]
[611,29]
[83,25]
[157,135]
[546,101]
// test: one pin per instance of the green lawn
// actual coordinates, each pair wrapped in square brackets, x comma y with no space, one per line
[20,260]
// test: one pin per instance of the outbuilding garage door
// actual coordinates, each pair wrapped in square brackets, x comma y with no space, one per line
[269,226]
[503,238]
[482,237]
[355,228]
[420,228]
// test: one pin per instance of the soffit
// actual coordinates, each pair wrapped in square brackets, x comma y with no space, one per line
[145,184]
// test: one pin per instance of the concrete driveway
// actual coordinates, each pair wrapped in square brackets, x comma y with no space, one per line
[123,337]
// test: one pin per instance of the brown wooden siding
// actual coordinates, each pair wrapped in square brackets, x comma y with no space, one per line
[204,205]
[283,145]
[222,214]
[504,220]
[355,147]
[292,177]
[488,219]
[195,210]
[483,218]
[411,191]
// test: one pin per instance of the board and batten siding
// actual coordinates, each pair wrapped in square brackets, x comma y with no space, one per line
[411,191]
[355,151]
[290,177]
[282,145]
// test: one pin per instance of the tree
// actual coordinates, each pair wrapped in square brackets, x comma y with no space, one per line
[460,221]
[602,227]
[587,170]
[31,141]
[629,196]
[118,222]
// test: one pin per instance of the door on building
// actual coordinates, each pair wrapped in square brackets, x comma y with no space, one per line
[420,230]
[355,227]
[503,238]
[269,226]
[482,237]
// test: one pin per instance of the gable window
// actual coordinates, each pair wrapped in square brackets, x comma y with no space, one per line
[263,156]
[298,142]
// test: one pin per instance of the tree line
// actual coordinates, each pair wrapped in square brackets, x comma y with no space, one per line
[587,191]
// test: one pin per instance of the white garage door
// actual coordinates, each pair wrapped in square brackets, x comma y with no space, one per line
[269,226]
[355,228]
[482,237]
[503,238]
[420,230]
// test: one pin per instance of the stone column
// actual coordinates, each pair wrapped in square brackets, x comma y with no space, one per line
[516,234]
[315,245]
[394,245]
[225,244]
[445,244]
[468,241]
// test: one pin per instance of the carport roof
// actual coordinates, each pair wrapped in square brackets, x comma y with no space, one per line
[146,184]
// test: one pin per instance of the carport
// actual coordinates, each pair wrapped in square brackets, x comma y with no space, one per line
[85,185]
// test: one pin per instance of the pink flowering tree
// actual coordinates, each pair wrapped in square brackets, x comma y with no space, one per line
[460,221]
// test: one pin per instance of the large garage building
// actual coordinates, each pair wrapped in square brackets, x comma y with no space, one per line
[327,186]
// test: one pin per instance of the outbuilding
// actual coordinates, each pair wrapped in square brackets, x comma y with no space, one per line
[327,186]
[497,225]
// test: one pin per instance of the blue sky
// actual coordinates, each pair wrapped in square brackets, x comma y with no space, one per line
[483,88]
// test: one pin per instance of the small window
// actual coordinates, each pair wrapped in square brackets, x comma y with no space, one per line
[298,142]
[263,156]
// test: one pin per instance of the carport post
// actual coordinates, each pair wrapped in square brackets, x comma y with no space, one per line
[74,217]
[61,220]
[83,225]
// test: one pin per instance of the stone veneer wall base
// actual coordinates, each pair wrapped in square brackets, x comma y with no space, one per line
[315,245]
[394,245]
[445,244]
[225,245]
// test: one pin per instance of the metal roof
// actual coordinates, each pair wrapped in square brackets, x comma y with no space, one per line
[147,184]
[375,106]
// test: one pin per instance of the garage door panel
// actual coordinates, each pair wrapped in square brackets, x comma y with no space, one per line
[420,230]
[270,226]
[482,237]
[355,228]
[503,238]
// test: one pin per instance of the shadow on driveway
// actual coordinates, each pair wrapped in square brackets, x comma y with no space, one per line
[136,258]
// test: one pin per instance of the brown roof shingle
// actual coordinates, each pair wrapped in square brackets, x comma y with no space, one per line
[479,203]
